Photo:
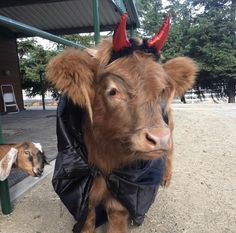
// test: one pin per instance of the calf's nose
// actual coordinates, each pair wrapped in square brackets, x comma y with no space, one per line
[157,138]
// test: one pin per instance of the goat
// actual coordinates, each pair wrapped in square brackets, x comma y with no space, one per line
[27,156]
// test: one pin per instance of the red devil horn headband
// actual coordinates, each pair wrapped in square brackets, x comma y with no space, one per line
[159,39]
[121,41]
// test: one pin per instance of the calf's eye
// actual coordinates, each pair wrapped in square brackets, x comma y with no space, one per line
[115,94]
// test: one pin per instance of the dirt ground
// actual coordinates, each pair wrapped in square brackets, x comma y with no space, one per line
[36,125]
[200,199]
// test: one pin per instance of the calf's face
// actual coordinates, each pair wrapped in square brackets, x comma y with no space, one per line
[129,105]
[127,100]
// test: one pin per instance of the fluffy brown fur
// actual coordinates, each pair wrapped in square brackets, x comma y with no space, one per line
[73,72]
[127,99]
[181,72]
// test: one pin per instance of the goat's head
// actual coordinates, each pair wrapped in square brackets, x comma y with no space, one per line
[28,156]
[31,158]
[126,91]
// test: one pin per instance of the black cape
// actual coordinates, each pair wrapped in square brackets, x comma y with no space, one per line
[135,186]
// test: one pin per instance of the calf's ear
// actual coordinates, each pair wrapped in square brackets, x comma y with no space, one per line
[182,73]
[73,73]
[6,163]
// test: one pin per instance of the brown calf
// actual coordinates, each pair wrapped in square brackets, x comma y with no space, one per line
[27,156]
[126,101]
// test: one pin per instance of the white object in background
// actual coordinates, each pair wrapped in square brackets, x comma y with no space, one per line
[9,99]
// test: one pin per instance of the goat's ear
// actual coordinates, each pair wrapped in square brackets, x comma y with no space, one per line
[7,162]
[38,146]
[73,73]
[182,73]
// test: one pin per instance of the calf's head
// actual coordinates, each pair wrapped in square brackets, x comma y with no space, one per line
[127,97]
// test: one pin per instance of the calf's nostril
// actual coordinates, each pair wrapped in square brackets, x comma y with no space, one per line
[151,139]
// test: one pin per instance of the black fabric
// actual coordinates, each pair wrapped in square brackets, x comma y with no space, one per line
[135,186]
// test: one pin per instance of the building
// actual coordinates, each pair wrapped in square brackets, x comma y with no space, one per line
[57,17]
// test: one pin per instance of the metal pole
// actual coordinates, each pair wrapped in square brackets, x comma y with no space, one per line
[4,189]
[96,21]
[42,89]
[5,197]
[32,31]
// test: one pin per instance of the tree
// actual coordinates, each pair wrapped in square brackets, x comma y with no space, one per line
[214,46]
[33,59]
[201,29]
[151,15]
[85,40]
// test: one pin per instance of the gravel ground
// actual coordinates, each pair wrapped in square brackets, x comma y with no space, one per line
[37,126]
[200,199]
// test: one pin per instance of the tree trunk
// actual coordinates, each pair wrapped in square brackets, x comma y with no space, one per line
[231,90]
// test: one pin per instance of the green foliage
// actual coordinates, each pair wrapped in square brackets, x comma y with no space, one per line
[33,61]
[151,15]
[85,40]
[215,48]
[201,29]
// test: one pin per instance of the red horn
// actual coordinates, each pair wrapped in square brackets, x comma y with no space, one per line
[120,39]
[159,39]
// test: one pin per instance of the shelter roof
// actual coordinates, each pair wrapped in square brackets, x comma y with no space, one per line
[67,16]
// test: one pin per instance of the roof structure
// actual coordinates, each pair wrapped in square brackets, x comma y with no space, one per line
[67,16]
